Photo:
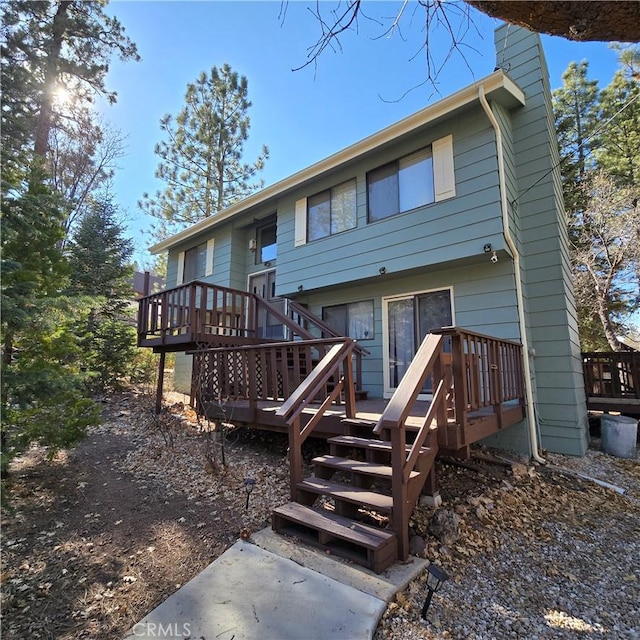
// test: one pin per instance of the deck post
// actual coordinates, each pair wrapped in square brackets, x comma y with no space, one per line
[160,385]
[349,389]
[295,458]
[399,490]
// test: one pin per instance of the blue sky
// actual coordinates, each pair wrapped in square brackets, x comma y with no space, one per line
[302,116]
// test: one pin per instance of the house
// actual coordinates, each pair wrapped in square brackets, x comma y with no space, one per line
[452,217]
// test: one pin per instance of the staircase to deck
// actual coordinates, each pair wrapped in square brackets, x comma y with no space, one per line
[358,501]
[346,507]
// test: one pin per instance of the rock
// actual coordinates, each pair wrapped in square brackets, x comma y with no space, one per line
[519,471]
[445,526]
[417,546]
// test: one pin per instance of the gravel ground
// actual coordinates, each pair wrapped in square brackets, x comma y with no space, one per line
[99,538]
[543,555]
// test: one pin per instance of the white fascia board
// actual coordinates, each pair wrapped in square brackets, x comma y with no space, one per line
[497,86]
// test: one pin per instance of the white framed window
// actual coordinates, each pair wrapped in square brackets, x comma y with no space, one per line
[267,246]
[331,211]
[413,181]
[196,262]
[406,320]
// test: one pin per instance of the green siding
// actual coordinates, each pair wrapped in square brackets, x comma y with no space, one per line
[547,279]
[440,233]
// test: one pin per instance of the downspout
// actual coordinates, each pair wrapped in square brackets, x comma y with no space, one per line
[531,410]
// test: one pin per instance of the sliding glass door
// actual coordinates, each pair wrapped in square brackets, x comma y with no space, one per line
[409,319]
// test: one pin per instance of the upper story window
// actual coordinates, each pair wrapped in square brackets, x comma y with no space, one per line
[416,180]
[196,262]
[267,247]
[332,211]
[401,185]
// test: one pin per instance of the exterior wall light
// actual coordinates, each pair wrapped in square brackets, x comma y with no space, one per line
[435,577]
[249,483]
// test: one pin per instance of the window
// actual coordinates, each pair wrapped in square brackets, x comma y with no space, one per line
[354,319]
[196,262]
[401,185]
[332,211]
[267,247]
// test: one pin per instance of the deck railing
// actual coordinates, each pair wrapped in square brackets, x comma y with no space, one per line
[195,309]
[487,373]
[330,378]
[472,373]
[265,372]
[614,374]
[198,311]
[302,316]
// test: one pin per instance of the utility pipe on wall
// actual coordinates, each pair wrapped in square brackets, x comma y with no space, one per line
[531,410]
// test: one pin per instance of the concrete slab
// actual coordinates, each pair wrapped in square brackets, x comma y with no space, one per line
[383,585]
[249,593]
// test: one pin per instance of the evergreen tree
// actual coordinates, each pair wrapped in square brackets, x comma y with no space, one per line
[201,160]
[46,46]
[599,134]
[101,272]
[575,107]
[100,255]
[619,151]
[52,46]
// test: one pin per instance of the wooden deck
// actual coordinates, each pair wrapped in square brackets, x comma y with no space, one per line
[481,423]
[612,381]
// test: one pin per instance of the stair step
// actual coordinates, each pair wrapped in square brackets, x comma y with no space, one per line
[357,467]
[359,422]
[366,443]
[346,493]
[369,546]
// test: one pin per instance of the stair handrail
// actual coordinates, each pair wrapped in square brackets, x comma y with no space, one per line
[399,407]
[305,393]
[296,329]
[291,411]
[427,361]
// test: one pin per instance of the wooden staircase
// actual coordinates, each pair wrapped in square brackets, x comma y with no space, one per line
[346,507]
[358,502]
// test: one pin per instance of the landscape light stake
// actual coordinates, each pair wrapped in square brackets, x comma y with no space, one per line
[435,577]
[249,483]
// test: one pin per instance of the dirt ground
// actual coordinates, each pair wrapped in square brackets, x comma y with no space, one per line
[100,536]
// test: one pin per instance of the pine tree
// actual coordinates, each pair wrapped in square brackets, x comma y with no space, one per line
[52,46]
[575,107]
[100,255]
[619,151]
[598,134]
[201,159]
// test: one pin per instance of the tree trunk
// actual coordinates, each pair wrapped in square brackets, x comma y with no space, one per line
[607,326]
[45,114]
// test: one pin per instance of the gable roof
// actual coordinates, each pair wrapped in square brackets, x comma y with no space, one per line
[497,86]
